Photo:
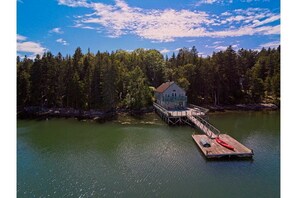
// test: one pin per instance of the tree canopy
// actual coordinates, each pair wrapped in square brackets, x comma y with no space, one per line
[122,79]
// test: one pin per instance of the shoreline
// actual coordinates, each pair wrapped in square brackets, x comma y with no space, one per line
[103,116]
[95,115]
[243,107]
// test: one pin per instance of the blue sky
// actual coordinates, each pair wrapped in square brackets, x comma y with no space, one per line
[165,25]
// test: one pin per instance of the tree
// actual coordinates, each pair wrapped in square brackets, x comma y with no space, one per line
[23,82]
[109,91]
[36,75]
[257,89]
[110,80]
[96,84]
[139,94]
[86,79]
[154,67]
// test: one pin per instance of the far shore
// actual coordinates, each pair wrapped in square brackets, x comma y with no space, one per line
[243,107]
[102,116]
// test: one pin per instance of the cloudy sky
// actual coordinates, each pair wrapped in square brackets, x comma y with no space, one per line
[165,25]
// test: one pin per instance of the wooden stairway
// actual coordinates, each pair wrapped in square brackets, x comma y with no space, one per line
[204,126]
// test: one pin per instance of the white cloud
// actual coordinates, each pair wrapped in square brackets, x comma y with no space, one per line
[21,38]
[210,1]
[216,46]
[266,21]
[30,47]
[56,30]
[63,42]
[82,26]
[273,44]
[226,14]
[249,1]
[164,51]
[74,3]
[213,2]
[203,55]
[169,24]
[221,48]
[217,42]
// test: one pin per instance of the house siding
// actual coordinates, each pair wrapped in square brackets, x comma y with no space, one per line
[173,98]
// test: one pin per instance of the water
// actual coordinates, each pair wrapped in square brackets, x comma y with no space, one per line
[145,158]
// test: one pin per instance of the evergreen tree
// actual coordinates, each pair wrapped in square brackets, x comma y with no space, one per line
[36,92]
[107,81]
[96,84]
[109,92]
[23,82]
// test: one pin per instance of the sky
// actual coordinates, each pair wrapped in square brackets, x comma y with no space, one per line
[61,26]
[165,25]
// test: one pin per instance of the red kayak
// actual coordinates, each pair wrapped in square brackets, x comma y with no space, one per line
[221,142]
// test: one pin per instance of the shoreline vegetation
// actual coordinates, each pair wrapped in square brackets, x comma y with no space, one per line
[102,116]
[100,86]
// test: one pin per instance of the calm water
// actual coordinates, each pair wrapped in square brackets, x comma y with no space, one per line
[145,158]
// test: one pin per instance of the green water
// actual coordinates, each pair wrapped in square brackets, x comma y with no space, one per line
[145,158]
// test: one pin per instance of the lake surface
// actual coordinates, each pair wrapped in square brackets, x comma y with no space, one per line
[145,158]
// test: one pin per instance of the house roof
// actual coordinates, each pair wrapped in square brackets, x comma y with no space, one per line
[163,87]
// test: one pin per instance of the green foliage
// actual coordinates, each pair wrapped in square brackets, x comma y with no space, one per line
[257,89]
[96,84]
[138,92]
[109,91]
[122,79]
[23,82]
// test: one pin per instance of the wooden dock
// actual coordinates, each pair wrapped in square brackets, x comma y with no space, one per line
[194,116]
[204,126]
[218,151]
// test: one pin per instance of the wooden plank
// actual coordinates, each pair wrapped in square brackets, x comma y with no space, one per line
[201,126]
[216,150]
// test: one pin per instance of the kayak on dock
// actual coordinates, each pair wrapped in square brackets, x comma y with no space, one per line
[223,143]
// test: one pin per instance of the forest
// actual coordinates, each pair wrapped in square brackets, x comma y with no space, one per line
[108,81]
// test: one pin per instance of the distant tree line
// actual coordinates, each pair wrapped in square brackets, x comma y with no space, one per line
[124,79]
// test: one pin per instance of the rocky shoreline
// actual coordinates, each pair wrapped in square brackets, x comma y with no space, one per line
[96,115]
[243,107]
[102,116]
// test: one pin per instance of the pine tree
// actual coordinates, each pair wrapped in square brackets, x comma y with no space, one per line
[109,92]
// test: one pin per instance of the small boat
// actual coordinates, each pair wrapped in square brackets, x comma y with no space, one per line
[223,143]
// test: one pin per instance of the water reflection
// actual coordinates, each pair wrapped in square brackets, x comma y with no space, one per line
[70,158]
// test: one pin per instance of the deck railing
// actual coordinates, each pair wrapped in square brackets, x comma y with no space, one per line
[202,109]
[162,109]
[174,99]
[209,126]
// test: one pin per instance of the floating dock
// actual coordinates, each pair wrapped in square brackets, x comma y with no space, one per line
[218,151]
[195,116]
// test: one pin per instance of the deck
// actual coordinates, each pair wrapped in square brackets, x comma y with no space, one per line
[218,151]
[179,113]
[194,116]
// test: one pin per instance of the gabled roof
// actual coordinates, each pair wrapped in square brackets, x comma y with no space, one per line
[163,87]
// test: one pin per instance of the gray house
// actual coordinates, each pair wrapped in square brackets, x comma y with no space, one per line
[170,96]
